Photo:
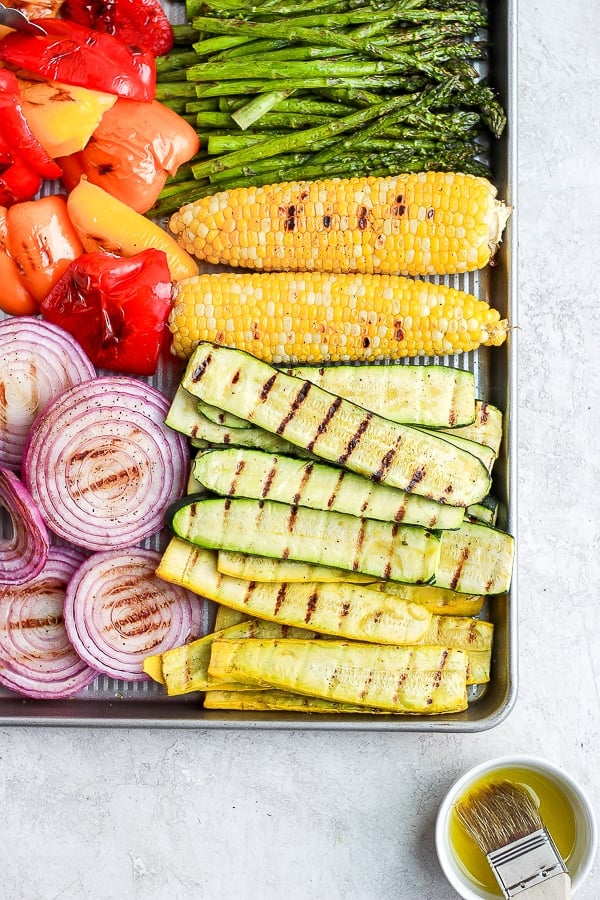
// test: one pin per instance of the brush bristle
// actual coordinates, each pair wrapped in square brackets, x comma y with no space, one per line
[498,814]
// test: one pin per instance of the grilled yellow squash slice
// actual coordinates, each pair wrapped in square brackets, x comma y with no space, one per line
[345,610]
[267,568]
[418,680]
[185,669]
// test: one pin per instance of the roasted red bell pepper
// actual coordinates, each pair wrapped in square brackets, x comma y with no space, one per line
[74,54]
[116,308]
[134,21]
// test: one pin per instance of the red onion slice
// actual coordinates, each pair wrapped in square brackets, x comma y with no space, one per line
[38,361]
[36,657]
[101,464]
[23,554]
[117,612]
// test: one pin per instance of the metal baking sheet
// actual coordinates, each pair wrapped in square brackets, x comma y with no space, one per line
[111,703]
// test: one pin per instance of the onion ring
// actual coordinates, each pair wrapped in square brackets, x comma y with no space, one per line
[38,361]
[117,612]
[101,464]
[24,553]
[36,657]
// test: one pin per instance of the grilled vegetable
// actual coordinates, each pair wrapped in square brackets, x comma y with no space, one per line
[423,680]
[105,223]
[225,617]
[383,549]
[264,476]
[77,55]
[440,601]
[42,242]
[425,224]
[140,22]
[485,512]
[475,559]
[313,317]
[116,308]
[345,610]
[251,567]
[335,429]
[132,151]
[282,701]
[485,429]
[185,669]
[62,116]
[433,396]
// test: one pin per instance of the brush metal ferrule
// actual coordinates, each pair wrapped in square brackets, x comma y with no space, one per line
[525,862]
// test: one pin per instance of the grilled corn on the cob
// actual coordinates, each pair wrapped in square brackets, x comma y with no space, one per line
[417,224]
[311,317]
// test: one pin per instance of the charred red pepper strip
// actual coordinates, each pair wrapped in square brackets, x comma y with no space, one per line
[17,181]
[116,308]
[16,131]
[134,21]
[74,54]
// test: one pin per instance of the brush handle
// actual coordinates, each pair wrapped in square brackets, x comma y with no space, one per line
[556,888]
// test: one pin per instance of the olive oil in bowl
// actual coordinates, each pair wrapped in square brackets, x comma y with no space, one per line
[555,810]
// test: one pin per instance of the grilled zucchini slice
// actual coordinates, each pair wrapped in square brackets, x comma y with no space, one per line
[335,429]
[435,396]
[475,559]
[382,549]
[240,472]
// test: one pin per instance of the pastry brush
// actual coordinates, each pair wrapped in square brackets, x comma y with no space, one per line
[505,823]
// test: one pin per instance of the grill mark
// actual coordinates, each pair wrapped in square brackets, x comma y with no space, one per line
[458,571]
[452,416]
[355,440]
[295,406]
[387,571]
[311,605]
[43,622]
[359,545]
[472,635]
[280,597]
[398,208]
[366,685]
[401,513]
[345,609]
[401,681]
[488,585]
[289,223]
[249,591]
[437,678]
[483,413]
[303,482]
[238,471]
[332,497]
[327,221]
[200,370]
[430,213]
[268,481]
[398,331]
[417,476]
[386,462]
[268,384]
[324,423]
[363,220]
[236,376]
